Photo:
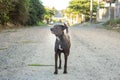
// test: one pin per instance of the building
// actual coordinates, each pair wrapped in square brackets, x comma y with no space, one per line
[111,10]
[117,9]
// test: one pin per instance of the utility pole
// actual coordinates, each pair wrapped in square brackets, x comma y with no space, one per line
[109,10]
[91,10]
[109,1]
[98,4]
[98,8]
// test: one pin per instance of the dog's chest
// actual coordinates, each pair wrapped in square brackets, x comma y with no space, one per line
[59,44]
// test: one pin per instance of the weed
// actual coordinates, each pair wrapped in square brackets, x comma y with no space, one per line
[3,48]
[39,65]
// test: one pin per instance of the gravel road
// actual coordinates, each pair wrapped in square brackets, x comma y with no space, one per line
[95,54]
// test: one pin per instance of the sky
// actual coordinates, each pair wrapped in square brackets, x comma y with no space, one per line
[58,4]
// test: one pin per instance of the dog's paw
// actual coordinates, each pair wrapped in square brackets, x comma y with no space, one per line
[65,72]
[55,72]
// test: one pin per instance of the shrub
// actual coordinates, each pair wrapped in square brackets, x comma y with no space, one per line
[112,22]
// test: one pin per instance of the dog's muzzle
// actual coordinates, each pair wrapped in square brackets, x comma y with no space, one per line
[51,29]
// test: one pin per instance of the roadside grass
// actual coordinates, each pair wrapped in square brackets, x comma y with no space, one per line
[11,30]
[41,24]
[112,28]
[0,28]
[113,24]
[39,65]
[75,25]
[81,24]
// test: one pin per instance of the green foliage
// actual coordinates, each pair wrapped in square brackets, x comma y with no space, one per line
[102,5]
[112,28]
[36,11]
[112,22]
[82,6]
[4,11]
[19,13]
[4,18]
[118,21]
[49,13]
[24,12]
[41,24]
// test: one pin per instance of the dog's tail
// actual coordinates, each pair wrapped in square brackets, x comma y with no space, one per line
[66,27]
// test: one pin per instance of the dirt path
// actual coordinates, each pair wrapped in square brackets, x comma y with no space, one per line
[95,54]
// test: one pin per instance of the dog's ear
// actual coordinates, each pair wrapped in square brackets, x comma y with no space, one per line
[65,27]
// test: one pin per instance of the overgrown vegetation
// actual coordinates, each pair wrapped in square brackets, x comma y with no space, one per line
[23,12]
[113,24]
[48,14]
[36,12]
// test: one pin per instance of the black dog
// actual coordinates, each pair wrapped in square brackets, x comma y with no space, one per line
[62,45]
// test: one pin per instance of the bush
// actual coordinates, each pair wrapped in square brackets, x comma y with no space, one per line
[118,21]
[40,24]
[112,22]
[4,18]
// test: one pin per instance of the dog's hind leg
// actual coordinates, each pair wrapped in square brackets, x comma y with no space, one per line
[60,61]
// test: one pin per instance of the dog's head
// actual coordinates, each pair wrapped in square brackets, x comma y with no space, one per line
[58,30]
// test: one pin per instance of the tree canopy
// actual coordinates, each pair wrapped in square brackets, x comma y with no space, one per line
[82,7]
[24,12]
[49,13]
[36,11]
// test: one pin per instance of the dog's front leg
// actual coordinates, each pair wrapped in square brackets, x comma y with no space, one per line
[59,61]
[65,64]
[56,60]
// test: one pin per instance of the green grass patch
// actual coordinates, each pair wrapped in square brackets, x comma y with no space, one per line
[107,27]
[112,22]
[11,30]
[26,42]
[3,48]
[112,28]
[39,65]
[41,24]
[116,29]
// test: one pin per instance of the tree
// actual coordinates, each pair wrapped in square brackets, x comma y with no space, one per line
[5,6]
[83,6]
[36,12]
[49,13]
[24,12]
[19,13]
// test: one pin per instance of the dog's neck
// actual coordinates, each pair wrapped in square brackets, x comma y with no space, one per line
[60,38]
